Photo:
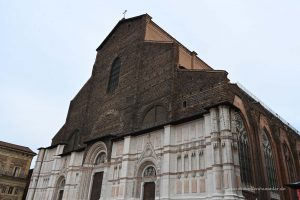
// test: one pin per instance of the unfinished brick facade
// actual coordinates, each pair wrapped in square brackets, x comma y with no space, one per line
[162,86]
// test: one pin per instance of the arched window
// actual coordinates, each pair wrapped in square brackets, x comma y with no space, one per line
[179,163]
[269,160]
[114,75]
[100,158]
[244,151]
[289,163]
[157,114]
[186,162]
[193,163]
[201,160]
[16,171]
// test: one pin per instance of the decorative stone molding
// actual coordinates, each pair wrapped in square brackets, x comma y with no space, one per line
[201,152]
[94,151]
[148,155]
[223,144]
[216,145]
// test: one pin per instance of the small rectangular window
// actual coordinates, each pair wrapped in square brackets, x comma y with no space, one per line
[16,171]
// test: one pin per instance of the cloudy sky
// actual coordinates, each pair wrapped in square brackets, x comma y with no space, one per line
[47,50]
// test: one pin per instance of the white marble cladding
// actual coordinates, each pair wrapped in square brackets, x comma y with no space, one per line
[193,160]
[49,168]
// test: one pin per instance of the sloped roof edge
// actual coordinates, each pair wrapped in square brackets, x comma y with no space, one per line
[123,20]
[16,147]
[245,90]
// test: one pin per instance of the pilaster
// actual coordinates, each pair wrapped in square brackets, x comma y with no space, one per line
[53,177]
[227,153]
[165,179]
[125,170]
[217,171]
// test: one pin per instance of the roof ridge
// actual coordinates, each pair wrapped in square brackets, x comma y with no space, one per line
[16,146]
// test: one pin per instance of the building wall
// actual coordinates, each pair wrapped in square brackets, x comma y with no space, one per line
[193,160]
[178,120]
[12,183]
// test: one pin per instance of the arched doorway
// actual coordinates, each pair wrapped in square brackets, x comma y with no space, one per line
[98,176]
[60,188]
[148,180]
[95,165]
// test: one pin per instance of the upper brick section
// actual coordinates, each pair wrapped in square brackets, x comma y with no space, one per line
[160,82]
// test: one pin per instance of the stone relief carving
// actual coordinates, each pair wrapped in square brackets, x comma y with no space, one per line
[148,152]
[149,172]
[101,158]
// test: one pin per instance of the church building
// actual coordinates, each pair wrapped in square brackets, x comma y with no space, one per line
[154,121]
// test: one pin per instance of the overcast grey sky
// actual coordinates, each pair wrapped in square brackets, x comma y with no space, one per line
[47,50]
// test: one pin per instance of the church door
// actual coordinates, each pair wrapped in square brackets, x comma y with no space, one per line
[60,194]
[97,184]
[149,191]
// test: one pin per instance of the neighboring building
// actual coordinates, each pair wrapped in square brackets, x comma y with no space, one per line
[27,184]
[156,122]
[15,163]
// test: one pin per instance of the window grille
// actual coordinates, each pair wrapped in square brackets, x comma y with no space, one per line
[270,163]
[244,151]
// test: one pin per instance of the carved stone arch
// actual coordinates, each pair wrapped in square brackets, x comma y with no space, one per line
[148,158]
[239,104]
[59,187]
[154,115]
[60,179]
[94,151]
[148,154]
[140,180]
[144,163]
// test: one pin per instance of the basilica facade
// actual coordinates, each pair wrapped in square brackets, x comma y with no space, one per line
[154,121]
